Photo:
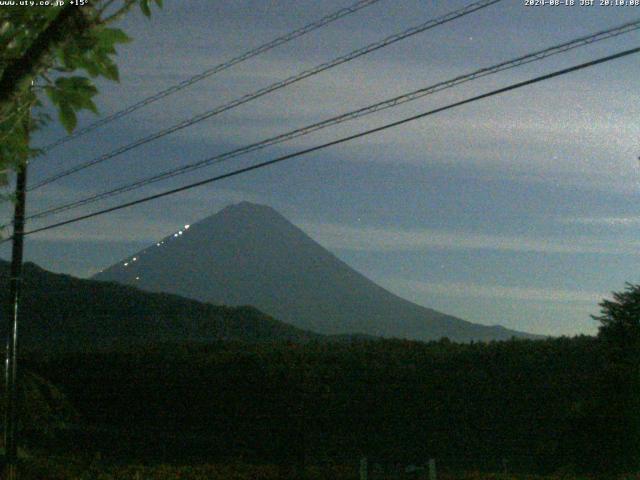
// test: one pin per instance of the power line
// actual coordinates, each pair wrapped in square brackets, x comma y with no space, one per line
[478,5]
[234,173]
[398,100]
[359,5]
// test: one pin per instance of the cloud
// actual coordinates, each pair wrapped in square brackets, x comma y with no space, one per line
[112,229]
[581,143]
[466,290]
[334,236]
[586,137]
[630,221]
[146,223]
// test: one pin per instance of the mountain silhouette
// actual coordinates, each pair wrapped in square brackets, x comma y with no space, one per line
[249,254]
[60,312]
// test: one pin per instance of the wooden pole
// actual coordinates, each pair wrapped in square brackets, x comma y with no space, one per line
[11,374]
[15,284]
[364,470]
[432,469]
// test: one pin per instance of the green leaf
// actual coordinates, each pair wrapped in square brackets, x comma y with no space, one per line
[86,103]
[111,72]
[159,3]
[53,95]
[76,87]
[111,36]
[90,67]
[70,94]
[68,117]
[144,6]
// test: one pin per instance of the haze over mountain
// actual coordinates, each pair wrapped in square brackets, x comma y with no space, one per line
[249,254]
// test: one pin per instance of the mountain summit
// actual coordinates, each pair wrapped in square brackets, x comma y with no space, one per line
[249,254]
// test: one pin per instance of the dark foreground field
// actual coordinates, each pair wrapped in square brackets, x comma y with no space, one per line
[65,469]
[541,407]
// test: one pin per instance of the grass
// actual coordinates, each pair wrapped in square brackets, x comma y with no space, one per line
[74,469]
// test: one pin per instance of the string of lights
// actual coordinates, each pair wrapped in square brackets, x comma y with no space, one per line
[299,153]
[473,7]
[389,103]
[326,20]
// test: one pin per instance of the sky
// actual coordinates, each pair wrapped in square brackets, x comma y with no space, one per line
[521,209]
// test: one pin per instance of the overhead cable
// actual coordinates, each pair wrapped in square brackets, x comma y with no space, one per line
[306,151]
[389,103]
[478,5]
[216,69]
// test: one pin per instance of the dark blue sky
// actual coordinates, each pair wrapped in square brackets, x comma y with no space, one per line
[520,210]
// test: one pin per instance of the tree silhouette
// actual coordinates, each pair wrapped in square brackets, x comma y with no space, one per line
[620,320]
[619,384]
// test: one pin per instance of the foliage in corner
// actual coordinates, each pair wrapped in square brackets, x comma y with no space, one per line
[59,49]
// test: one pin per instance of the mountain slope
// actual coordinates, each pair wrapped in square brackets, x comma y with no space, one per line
[249,254]
[63,312]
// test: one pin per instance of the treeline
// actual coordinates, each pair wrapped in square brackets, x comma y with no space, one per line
[60,312]
[539,406]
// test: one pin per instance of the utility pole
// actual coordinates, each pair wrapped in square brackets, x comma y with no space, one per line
[15,282]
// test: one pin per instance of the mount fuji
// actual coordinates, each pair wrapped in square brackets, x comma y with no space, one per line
[248,254]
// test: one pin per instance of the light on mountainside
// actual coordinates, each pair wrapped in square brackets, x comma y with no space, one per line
[249,254]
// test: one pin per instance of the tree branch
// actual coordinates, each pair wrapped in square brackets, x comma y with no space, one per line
[19,73]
